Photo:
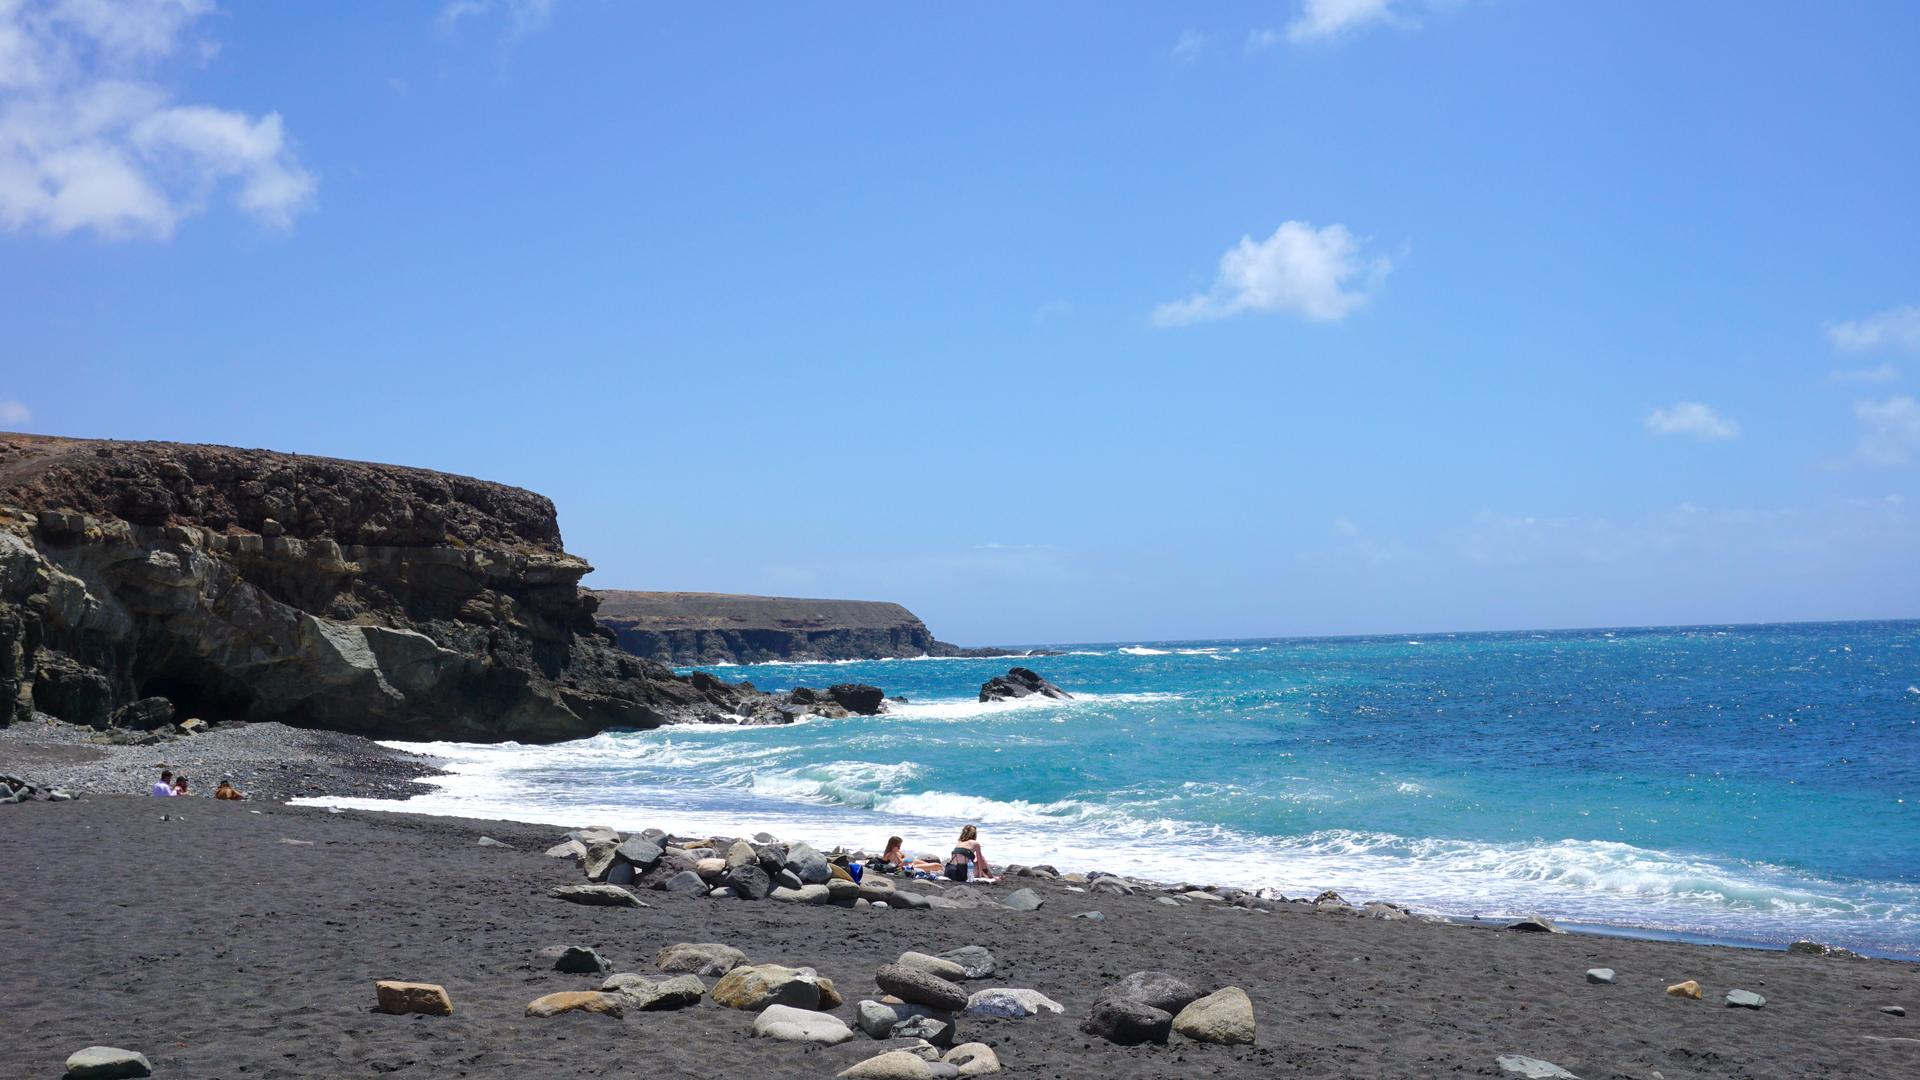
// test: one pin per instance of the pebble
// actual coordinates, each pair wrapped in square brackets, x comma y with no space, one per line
[1024,900]
[699,958]
[1167,900]
[107,1063]
[1010,1002]
[1600,975]
[1893,1010]
[1093,916]
[488,841]
[973,1059]
[1688,989]
[976,961]
[1744,999]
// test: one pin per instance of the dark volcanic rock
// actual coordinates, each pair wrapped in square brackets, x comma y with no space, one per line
[1168,993]
[253,585]
[146,714]
[1129,1023]
[857,697]
[1018,683]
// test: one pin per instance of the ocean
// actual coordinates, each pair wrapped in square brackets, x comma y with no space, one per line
[1746,784]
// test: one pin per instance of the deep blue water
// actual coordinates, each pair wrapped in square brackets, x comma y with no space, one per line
[1749,783]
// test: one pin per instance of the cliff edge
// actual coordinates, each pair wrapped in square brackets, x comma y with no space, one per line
[256,585]
[708,628]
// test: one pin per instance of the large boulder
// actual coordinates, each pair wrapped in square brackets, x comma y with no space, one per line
[653,995]
[1157,989]
[808,865]
[1019,683]
[1224,1016]
[858,697]
[596,895]
[147,714]
[587,1001]
[580,960]
[760,985]
[748,882]
[975,961]
[401,998]
[1011,1003]
[107,1063]
[702,958]
[800,1025]
[920,988]
[1127,1023]
[892,1065]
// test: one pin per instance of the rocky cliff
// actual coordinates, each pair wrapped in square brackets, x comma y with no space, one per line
[708,628]
[253,585]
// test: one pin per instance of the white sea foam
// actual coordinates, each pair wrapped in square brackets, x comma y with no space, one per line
[1142,650]
[973,710]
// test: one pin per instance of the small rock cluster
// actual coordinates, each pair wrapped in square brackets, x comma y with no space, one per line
[17,789]
[1148,1006]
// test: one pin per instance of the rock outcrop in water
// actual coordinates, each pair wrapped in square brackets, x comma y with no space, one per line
[1018,683]
[721,628]
[253,585]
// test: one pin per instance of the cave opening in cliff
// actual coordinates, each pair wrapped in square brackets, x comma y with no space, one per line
[193,697]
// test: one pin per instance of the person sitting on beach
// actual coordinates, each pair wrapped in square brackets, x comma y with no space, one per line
[967,860]
[893,858]
[227,791]
[179,785]
[163,789]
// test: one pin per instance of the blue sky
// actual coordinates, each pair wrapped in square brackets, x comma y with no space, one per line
[1054,322]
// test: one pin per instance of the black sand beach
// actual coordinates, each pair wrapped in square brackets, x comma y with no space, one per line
[241,940]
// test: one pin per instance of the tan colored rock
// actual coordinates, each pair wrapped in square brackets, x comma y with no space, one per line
[829,997]
[401,998]
[932,965]
[590,1001]
[973,1059]
[892,1065]
[1224,1016]
[710,869]
[760,985]
[1688,989]
[699,958]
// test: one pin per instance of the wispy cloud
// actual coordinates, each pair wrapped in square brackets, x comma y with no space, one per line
[1319,274]
[1188,49]
[522,16]
[1890,431]
[91,140]
[1896,328]
[1885,373]
[1691,418]
[13,412]
[1321,20]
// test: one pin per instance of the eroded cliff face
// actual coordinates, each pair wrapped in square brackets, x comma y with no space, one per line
[252,585]
[704,628]
[708,628]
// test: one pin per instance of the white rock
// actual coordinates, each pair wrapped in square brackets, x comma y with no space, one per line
[800,1025]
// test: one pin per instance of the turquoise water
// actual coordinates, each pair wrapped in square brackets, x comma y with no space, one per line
[1745,783]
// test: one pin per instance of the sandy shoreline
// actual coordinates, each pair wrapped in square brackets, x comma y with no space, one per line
[228,943]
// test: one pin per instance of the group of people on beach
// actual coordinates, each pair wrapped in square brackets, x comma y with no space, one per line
[966,862]
[171,786]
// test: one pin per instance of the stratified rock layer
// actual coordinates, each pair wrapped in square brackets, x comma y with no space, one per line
[254,585]
[709,628]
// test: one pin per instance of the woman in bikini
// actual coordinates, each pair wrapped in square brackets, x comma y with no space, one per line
[968,861]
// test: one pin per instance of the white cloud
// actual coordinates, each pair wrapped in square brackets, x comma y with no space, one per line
[1188,49]
[1691,418]
[1893,328]
[88,139]
[1885,373]
[13,412]
[1318,274]
[523,16]
[1890,432]
[1320,20]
